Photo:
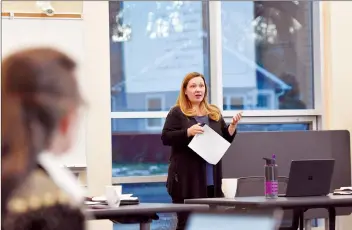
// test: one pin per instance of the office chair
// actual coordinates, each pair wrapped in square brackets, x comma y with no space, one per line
[254,186]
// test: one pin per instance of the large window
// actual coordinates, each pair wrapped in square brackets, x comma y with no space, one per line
[267,55]
[153,44]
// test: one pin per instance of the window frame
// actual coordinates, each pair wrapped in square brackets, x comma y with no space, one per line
[311,116]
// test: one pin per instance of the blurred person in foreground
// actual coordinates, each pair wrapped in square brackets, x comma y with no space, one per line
[189,175]
[40,99]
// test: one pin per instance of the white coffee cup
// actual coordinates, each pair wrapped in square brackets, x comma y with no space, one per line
[113,195]
[229,187]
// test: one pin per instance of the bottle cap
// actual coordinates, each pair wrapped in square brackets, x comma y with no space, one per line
[268,161]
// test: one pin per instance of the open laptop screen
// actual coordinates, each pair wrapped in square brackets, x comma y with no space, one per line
[227,221]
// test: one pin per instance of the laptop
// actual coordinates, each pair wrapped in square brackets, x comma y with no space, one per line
[309,178]
[223,220]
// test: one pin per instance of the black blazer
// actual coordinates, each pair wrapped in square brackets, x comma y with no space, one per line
[187,170]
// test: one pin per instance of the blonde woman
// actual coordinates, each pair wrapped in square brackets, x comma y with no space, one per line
[189,175]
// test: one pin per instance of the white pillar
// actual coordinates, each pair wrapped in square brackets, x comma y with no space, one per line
[337,72]
[97,92]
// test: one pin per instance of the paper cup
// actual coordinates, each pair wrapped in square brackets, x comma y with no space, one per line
[229,187]
[113,195]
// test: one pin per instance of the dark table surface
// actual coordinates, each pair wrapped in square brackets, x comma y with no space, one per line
[143,209]
[282,202]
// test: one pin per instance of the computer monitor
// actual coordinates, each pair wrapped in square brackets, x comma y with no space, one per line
[232,220]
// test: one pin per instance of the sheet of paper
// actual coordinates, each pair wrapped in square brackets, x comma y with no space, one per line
[209,145]
[91,202]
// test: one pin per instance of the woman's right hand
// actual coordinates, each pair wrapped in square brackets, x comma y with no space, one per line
[194,129]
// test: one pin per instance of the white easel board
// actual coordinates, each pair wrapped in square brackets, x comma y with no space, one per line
[64,34]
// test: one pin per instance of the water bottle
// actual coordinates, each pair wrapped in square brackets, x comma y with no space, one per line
[271,184]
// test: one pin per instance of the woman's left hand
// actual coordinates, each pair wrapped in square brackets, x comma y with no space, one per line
[236,118]
[233,125]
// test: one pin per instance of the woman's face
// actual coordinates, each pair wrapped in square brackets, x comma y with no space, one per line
[195,90]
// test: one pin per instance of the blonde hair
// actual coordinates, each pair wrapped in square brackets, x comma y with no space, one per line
[186,106]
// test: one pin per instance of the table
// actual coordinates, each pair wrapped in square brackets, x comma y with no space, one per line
[329,202]
[146,210]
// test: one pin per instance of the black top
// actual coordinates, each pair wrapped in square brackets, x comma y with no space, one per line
[209,167]
[187,170]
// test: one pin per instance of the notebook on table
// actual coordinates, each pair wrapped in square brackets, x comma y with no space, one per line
[101,202]
[343,191]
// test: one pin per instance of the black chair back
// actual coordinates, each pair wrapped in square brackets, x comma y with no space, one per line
[254,186]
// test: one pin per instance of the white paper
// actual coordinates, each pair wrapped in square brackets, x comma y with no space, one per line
[349,189]
[91,202]
[209,145]
[103,198]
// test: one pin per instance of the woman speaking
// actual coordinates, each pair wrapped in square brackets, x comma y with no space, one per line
[189,175]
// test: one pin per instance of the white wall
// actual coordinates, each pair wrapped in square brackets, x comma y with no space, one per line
[338,72]
[97,73]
